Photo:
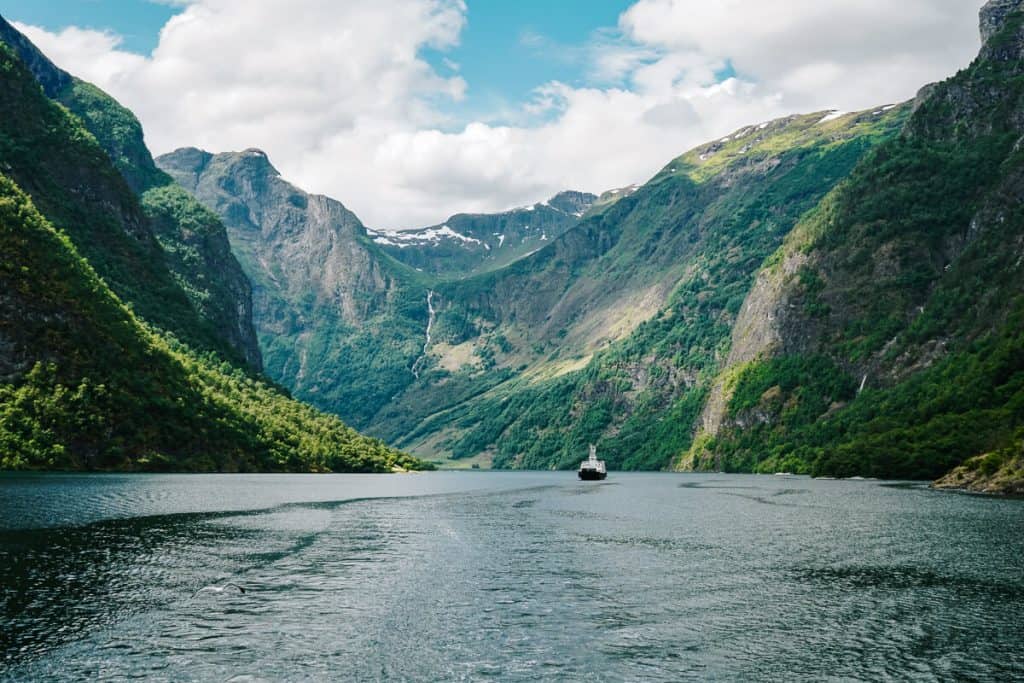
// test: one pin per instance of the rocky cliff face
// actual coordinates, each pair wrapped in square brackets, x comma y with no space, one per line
[294,244]
[192,243]
[994,16]
[322,288]
[466,244]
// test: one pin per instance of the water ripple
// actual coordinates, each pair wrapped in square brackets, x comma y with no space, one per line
[540,577]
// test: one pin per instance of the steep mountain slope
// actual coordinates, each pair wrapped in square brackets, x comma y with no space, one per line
[184,246]
[340,323]
[612,333]
[84,383]
[885,337]
[473,243]
[65,405]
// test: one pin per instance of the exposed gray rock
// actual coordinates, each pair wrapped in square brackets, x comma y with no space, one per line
[318,281]
[994,14]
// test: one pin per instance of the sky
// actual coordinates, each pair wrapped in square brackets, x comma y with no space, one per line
[409,111]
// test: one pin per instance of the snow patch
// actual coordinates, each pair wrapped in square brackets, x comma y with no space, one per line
[417,238]
[832,116]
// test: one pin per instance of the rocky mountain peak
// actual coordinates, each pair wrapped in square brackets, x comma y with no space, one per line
[252,161]
[186,165]
[572,202]
[994,16]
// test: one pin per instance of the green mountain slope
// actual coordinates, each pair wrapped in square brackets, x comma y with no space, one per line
[887,336]
[613,332]
[466,244]
[184,247]
[65,403]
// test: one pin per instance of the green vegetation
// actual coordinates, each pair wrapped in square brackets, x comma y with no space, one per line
[912,285]
[51,155]
[93,388]
[971,402]
[117,131]
[193,240]
[122,346]
[350,370]
[707,232]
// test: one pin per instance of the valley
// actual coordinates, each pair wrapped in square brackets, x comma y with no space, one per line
[830,293]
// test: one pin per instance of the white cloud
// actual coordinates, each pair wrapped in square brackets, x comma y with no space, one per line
[338,95]
[849,54]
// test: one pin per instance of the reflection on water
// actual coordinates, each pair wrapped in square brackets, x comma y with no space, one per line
[509,576]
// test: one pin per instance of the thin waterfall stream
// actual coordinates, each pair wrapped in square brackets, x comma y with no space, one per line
[431,315]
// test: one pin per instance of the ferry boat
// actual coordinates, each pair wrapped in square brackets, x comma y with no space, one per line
[593,469]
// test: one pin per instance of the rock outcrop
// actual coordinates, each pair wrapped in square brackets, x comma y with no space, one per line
[994,15]
[1000,473]
[321,288]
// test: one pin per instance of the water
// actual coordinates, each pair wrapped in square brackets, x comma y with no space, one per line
[507,576]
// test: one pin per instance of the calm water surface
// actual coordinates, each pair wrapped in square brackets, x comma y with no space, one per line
[507,576]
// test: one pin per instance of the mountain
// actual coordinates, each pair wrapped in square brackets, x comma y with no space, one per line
[827,293]
[179,247]
[466,244]
[612,333]
[344,325]
[106,362]
[885,337]
[340,322]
